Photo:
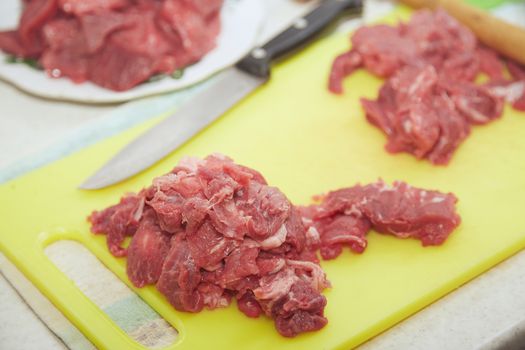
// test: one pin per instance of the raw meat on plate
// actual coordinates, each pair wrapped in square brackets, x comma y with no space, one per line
[116,44]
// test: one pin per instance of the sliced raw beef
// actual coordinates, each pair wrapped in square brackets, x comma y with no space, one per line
[180,277]
[452,126]
[147,251]
[429,100]
[337,231]
[490,63]
[516,70]
[421,117]
[476,103]
[116,44]
[512,91]
[69,52]
[27,40]
[345,216]
[36,14]
[196,27]
[83,7]
[344,65]
[212,230]
[97,27]
[10,42]
[118,221]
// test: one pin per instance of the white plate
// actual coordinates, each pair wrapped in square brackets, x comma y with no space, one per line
[241,22]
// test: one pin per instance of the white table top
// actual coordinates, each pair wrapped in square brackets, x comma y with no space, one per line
[486,313]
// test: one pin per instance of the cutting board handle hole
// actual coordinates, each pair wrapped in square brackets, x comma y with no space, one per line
[127,310]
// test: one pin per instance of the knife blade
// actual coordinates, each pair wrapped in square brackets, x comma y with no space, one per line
[231,86]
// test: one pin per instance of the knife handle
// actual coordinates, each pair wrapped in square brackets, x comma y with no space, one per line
[257,62]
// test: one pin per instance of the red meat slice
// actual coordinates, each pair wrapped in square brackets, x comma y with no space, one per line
[118,69]
[205,7]
[213,296]
[97,27]
[147,251]
[118,221]
[298,242]
[67,53]
[181,182]
[490,63]
[269,264]
[133,54]
[169,210]
[516,70]
[249,306]
[291,297]
[83,7]
[344,65]
[194,213]
[438,37]
[299,311]
[209,248]
[267,208]
[381,112]
[419,117]
[401,210]
[11,43]
[477,104]
[197,33]
[415,125]
[142,36]
[512,91]
[180,278]
[36,13]
[416,130]
[240,264]
[343,230]
[27,41]
[227,218]
[382,49]
[452,126]
[405,211]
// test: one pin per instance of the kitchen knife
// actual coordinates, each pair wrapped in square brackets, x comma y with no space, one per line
[230,87]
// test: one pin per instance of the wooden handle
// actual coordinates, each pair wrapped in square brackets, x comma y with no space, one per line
[504,37]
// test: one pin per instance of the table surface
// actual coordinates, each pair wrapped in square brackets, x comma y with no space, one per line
[486,313]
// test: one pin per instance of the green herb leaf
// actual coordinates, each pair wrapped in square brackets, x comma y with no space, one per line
[31,62]
[177,74]
[10,59]
[155,78]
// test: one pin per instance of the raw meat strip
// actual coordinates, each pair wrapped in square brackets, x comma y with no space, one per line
[344,217]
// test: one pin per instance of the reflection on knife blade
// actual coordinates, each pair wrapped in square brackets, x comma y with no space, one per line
[231,86]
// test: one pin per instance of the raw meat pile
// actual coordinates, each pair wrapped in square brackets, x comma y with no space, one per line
[116,44]
[211,230]
[428,103]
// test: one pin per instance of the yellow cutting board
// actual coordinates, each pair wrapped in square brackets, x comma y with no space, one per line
[305,141]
